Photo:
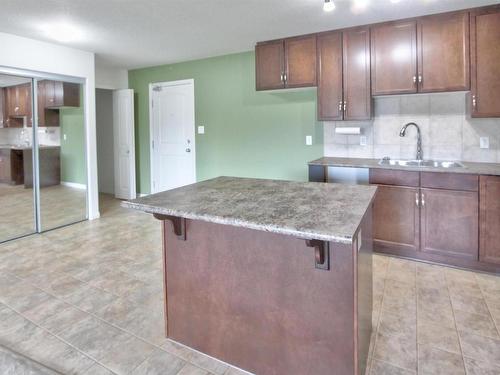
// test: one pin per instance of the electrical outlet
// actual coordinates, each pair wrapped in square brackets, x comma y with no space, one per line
[64,136]
[484,142]
[309,140]
[362,140]
[201,130]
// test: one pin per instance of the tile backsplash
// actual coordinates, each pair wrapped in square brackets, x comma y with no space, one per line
[447,130]
[46,136]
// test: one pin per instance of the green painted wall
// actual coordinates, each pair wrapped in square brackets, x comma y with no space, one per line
[73,165]
[247,133]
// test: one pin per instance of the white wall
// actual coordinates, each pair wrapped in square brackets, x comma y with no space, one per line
[448,131]
[110,78]
[105,141]
[30,54]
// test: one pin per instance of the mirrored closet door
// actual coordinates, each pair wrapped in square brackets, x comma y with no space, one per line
[17,204]
[43,172]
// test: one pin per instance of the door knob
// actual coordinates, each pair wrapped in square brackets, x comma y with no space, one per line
[188,150]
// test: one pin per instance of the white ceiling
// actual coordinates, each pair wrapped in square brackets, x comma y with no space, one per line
[138,33]
[6,80]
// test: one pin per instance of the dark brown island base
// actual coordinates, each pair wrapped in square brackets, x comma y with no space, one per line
[273,277]
[442,215]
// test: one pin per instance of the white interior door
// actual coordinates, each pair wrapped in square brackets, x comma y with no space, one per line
[124,143]
[173,159]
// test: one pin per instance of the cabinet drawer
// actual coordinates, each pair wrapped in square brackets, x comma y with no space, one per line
[394,177]
[449,181]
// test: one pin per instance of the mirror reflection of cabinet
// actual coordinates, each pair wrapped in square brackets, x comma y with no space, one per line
[3,114]
[52,95]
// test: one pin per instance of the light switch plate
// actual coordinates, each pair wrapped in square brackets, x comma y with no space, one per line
[201,130]
[64,136]
[309,140]
[484,142]
[362,140]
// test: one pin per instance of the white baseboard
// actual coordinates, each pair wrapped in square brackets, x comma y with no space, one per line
[142,195]
[74,185]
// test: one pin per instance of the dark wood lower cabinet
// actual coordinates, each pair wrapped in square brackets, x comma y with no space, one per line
[489,216]
[449,223]
[396,217]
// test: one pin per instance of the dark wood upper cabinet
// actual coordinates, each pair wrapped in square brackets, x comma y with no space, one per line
[485,62]
[286,63]
[46,116]
[18,105]
[396,216]
[356,66]
[300,61]
[344,75]
[61,94]
[41,103]
[489,219]
[3,109]
[443,52]
[449,223]
[269,65]
[330,90]
[394,58]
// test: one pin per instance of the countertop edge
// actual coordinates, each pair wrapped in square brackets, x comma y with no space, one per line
[241,223]
[474,168]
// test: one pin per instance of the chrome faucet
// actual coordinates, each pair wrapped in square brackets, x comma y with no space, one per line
[402,133]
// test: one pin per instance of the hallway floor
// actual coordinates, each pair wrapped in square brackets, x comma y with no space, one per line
[87,299]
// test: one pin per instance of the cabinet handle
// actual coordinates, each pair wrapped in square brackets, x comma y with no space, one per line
[417,202]
[284,77]
[345,106]
[16,109]
[281,77]
[340,106]
[474,101]
[423,200]
[419,78]
[414,79]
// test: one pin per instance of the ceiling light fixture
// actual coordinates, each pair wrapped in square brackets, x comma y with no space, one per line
[395,1]
[328,6]
[62,31]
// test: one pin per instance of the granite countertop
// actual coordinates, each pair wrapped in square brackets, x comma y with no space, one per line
[492,169]
[309,210]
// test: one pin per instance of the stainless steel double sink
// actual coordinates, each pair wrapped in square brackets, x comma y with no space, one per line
[421,163]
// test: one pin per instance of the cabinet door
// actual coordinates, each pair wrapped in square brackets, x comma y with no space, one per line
[443,53]
[449,223]
[489,214]
[50,94]
[11,101]
[330,76]
[394,58]
[24,99]
[357,92]
[269,65]
[396,218]
[485,66]
[300,61]
[41,102]
[3,114]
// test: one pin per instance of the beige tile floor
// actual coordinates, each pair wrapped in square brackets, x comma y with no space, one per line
[59,205]
[87,299]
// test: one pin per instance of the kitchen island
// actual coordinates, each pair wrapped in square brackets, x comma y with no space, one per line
[274,277]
